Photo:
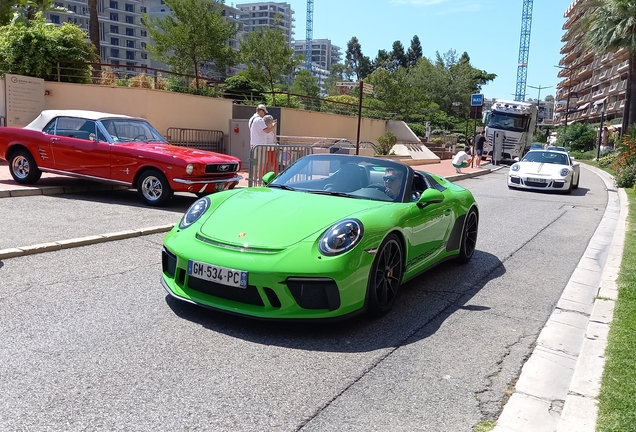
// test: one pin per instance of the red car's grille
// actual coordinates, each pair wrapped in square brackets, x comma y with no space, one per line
[221,168]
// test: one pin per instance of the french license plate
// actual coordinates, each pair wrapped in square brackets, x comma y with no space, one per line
[222,275]
[537,180]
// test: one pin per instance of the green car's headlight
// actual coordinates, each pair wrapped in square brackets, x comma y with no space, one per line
[195,211]
[341,237]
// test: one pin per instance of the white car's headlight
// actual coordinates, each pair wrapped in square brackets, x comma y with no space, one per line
[564,172]
[515,167]
[341,237]
[189,169]
[195,212]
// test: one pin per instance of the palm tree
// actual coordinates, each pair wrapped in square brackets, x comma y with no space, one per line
[93,33]
[607,26]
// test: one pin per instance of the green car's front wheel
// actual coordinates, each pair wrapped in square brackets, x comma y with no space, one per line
[469,237]
[386,276]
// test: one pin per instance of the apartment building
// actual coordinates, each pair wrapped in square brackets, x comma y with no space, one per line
[255,16]
[122,38]
[323,52]
[592,85]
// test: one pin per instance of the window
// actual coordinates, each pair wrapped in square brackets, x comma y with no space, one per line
[114,16]
[114,52]
[129,7]
[114,29]
[143,45]
[114,41]
[130,32]
[142,9]
[131,69]
[143,33]
[72,8]
[114,5]
[144,56]
[130,44]
[114,62]
[130,55]
[130,19]
[55,19]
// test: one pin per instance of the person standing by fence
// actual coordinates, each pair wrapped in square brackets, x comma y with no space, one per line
[258,128]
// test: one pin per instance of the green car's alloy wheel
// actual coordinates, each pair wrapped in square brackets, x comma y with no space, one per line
[469,237]
[24,170]
[154,188]
[386,276]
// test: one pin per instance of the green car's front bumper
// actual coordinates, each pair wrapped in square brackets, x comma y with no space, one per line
[294,283]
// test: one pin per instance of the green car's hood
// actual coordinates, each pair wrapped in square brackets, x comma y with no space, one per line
[275,219]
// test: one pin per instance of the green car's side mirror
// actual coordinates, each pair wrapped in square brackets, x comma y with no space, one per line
[267,178]
[430,196]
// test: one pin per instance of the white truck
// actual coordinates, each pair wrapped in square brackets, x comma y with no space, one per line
[509,129]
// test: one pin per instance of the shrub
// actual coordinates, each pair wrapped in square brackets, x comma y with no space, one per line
[625,163]
[418,129]
[588,155]
[607,160]
[386,143]
[141,81]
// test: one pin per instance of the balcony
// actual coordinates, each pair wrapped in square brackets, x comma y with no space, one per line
[611,107]
[613,88]
[599,93]
[623,66]
[606,57]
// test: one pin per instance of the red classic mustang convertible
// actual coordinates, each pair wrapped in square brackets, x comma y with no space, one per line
[116,149]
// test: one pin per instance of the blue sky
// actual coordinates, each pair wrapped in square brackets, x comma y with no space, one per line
[488,30]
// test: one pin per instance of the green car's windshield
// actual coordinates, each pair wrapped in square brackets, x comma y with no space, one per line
[345,176]
[129,130]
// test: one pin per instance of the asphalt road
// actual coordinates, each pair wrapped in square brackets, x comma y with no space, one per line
[89,340]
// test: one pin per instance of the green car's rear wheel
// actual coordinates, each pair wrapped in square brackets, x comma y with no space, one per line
[386,276]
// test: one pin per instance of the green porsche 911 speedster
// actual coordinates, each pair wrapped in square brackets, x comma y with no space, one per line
[331,235]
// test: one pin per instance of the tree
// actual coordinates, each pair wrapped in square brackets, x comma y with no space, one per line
[549,98]
[337,73]
[398,57]
[195,32]
[268,56]
[241,87]
[607,26]
[414,53]
[382,60]
[358,64]
[64,45]
[305,84]
[578,137]
[6,12]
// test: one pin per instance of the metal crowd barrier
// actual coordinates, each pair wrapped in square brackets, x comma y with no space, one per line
[275,157]
[202,139]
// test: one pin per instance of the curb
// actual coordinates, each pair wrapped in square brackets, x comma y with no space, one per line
[56,190]
[558,386]
[81,241]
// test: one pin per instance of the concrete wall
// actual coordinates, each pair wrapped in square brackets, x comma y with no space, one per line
[168,109]
[163,109]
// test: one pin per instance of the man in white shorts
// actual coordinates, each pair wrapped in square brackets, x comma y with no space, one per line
[258,129]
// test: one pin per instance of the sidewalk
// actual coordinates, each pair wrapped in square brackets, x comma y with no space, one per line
[51,184]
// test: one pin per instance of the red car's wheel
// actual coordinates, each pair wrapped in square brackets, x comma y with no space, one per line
[23,168]
[153,188]
[386,276]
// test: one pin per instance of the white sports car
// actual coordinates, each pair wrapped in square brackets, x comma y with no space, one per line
[545,170]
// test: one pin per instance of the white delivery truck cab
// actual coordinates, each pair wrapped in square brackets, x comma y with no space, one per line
[509,128]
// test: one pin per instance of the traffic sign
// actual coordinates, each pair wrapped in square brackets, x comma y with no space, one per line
[367,88]
[477,100]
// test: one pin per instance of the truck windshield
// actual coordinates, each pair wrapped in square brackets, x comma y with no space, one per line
[509,122]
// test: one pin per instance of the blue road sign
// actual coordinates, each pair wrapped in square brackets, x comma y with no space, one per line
[477,100]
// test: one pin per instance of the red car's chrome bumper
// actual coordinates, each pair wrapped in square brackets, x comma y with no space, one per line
[201,186]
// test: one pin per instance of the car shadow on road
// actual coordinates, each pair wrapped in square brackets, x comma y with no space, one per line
[580,191]
[423,305]
[129,198]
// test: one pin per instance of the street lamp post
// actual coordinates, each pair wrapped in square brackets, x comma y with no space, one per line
[539,102]
[567,103]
